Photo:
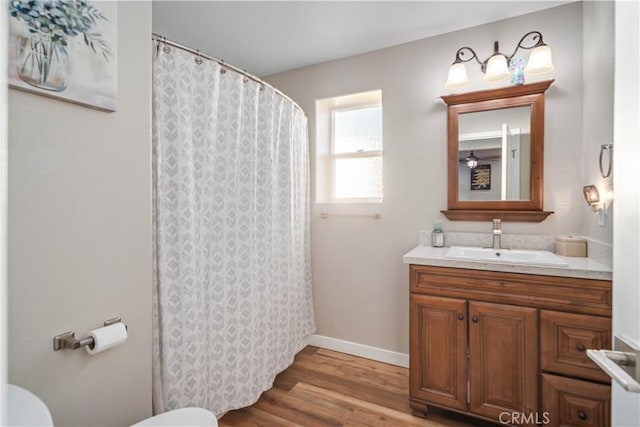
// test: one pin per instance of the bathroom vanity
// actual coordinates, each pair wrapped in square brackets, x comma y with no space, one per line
[508,343]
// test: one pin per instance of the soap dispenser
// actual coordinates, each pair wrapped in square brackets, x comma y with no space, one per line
[437,235]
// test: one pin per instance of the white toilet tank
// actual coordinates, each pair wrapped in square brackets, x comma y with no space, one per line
[26,409]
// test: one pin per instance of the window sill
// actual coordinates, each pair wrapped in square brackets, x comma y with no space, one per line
[368,209]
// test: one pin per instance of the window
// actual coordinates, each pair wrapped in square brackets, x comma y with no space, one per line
[349,148]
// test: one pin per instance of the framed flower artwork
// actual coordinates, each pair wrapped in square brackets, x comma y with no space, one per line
[65,49]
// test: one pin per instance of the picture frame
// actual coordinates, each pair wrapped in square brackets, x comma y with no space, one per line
[481,177]
[65,49]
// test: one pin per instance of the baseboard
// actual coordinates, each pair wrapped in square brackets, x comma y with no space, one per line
[360,350]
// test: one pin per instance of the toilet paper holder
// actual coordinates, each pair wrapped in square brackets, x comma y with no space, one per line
[68,339]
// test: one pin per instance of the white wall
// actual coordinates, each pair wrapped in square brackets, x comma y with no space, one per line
[360,283]
[80,240]
[625,406]
[598,70]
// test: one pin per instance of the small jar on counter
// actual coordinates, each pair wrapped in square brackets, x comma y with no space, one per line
[437,235]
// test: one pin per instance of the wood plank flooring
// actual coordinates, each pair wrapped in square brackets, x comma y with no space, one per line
[326,388]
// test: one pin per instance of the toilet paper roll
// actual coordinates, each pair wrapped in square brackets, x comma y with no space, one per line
[107,337]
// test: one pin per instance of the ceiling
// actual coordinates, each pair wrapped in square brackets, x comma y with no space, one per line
[267,37]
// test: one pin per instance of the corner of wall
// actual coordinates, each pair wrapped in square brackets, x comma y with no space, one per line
[597,109]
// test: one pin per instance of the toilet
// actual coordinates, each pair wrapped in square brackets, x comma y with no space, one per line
[26,409]
[192,417]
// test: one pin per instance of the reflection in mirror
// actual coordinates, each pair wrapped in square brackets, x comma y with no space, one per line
[501,141]
[504,128]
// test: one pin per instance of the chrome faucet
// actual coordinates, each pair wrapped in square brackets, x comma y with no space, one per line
[497,234]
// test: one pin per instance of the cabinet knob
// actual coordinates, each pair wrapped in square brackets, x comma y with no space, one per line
[580,347]
[474,319]
[582,415]
[460,317]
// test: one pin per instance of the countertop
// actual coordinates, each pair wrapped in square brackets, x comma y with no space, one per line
[581,267]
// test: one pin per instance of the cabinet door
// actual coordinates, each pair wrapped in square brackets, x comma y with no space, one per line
[503,347]
[574,403]
[438,356]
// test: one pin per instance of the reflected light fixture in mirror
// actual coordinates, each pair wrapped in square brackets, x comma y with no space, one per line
[496,67]
[472,160]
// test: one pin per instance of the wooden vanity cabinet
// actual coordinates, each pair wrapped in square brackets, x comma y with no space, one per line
[438,354]
[503,363]
[571,402]
[487,343]
[473,356]
[579,401]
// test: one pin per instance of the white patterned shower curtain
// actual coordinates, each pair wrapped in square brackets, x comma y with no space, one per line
[232,291]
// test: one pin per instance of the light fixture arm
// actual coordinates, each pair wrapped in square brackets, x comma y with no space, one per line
[537,39]
[460,54]
[474,55]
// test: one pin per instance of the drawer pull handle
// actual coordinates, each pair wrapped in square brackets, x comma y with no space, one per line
[580,347]
[460,317]
[582,415]
[474,319]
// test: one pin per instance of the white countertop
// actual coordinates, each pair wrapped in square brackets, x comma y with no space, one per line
[582,267]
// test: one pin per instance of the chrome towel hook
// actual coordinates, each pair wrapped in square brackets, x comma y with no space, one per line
[609,149]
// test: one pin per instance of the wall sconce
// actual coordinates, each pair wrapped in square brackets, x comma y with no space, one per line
[495,68]
[592,197]
[472,160]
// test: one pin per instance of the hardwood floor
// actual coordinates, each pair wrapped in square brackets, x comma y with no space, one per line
[327,388]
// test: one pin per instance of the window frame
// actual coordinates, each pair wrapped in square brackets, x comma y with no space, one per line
[360,154]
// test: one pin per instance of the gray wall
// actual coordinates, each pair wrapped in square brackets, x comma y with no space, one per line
[598,70]
[360,282]
[80,240]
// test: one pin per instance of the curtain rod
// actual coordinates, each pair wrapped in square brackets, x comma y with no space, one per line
[163,40]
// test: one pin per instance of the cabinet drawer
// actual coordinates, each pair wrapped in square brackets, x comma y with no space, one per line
[567,402]
[565,338]
[584,296]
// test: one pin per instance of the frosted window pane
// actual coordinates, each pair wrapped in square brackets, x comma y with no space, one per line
[356,178]
[357,130]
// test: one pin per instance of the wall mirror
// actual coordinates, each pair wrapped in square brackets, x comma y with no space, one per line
[496,153]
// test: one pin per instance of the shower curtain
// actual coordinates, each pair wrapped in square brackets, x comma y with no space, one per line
[232,284]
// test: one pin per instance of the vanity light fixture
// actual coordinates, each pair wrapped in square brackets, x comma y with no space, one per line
[472,160]
[495,68]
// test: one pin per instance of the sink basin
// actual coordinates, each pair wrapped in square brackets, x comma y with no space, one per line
[506,256]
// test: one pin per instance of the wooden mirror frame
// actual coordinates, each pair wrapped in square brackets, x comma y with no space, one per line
[530,95]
